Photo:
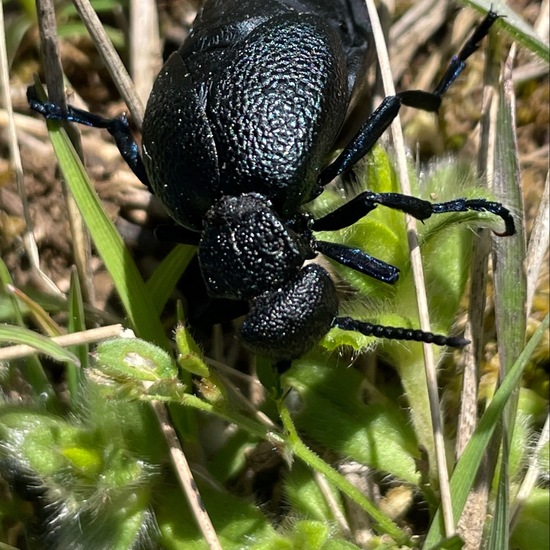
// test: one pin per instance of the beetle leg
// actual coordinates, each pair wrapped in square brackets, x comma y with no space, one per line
[177,234]
[457,64]
[282,366]
[420,209]
[357,259]
[118,127]
[398,333]
[386,112]
[364,140]
[367,201]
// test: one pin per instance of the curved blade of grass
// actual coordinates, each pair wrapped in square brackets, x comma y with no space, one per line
[383,522]
[510,288]
[43,344]
[39,315]
[34,371]
[76,29]
[76,323]
[516,26]
[136,299]
[162,282]
[464,474]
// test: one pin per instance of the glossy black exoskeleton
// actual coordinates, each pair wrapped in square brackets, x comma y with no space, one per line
[236,136]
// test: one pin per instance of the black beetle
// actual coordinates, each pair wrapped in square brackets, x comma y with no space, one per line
[236,136]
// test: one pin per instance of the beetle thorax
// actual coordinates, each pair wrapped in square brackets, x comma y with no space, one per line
[246,249]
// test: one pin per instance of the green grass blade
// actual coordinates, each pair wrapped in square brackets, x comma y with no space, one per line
[500,533]
[384,523]
[515,25]
[465,472]
[34,371]
[132,291]
[510,290]
[76,323]
[43,344]
[161,284]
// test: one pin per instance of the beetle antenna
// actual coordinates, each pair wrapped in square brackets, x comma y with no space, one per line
[398,333]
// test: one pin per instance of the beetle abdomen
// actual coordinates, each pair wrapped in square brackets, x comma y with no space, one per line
[276,109]
[178,147]
[259,116]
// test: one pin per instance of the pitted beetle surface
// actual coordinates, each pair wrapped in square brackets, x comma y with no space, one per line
[236,136]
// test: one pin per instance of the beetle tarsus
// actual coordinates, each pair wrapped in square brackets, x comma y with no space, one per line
[458,62]
[479,205]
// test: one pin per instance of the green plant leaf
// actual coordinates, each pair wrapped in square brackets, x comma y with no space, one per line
[20,335]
